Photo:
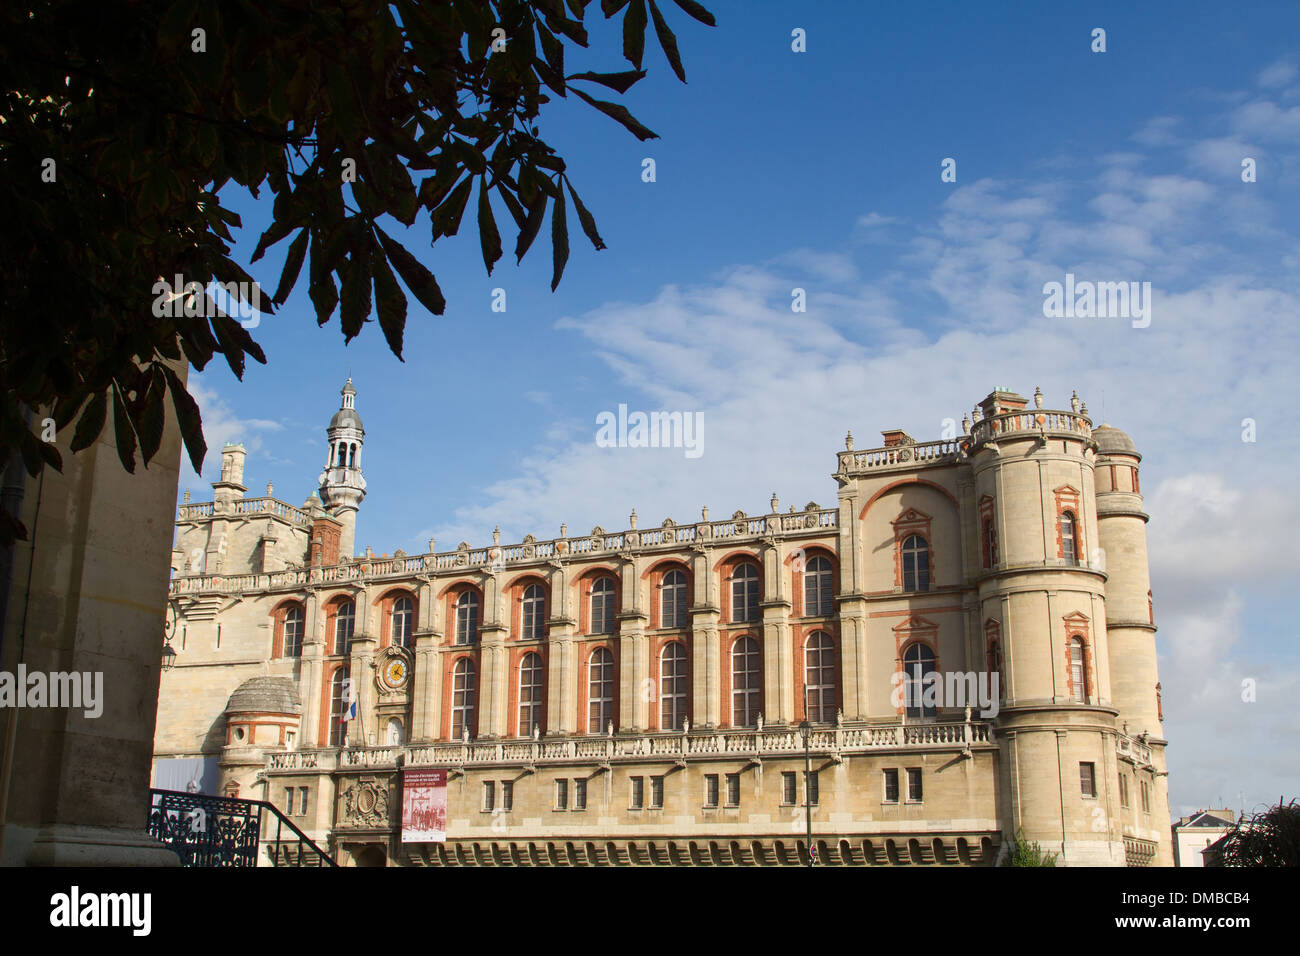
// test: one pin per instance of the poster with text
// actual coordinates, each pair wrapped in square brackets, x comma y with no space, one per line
[424,806]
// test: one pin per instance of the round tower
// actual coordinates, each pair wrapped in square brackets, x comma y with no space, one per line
[1042,618]
[263,714]
[342,486]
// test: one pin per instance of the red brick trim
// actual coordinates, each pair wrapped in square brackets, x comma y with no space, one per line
[726,568]
[798,563]
[727,667]
[1067,499]
[1078,625]
[448,691]
[587,650]
[655,577]
[449,596]
[910,522]
[801,633]
[515,674]
[906,481]
[514,593]
[914,630]
[988,533]
[994,654]
[657,646]
[384,606]
[585,582]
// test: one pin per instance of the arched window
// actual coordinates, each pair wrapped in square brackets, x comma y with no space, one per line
[602,606]
[672,686]
[394,737]
[916,563]
[918,660]
[672,600]
[338,460]
[1078,671]
[818,592]
[534,613]
[1069,545]
[530,694]
[352,456]
[463,693]
[600,690]
[340,698]
[819,677]
[345,620]
[995,666]
[403,613]
[990,544]
[467,618]
[292,636]
[746,689]
[744,593]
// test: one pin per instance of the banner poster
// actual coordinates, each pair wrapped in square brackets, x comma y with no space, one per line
[424,806]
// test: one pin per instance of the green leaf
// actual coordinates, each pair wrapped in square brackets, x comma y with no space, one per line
[621,114]
[668,42]
[532,225]
[123,432]
[634,24]
[559,241]
[292,267]
[91,423]
[611,7]
[418,279]
[620,82]
[446,219]
[355,305]
[587,220]
[189,419]
[488,236]
[698,12]
[152,416]
[390,301]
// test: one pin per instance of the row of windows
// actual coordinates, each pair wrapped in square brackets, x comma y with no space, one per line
[1067,525]
[1145,792]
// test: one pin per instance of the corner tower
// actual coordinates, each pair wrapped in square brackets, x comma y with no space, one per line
[342,487]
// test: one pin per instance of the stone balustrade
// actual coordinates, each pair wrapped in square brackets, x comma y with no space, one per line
[1036,420]
[905,455]
[842,741]
[1134,749]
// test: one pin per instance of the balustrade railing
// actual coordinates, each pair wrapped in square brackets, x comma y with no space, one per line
[1030,420]
[210,831]
[855,462]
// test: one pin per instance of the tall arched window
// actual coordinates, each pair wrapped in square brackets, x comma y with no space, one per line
[1069,538]
[463,693]
[403,613]
[345,620]
[818,591]
[339,701]
[1078,671]
[918,660]
[916,563]
[672,600]
[602,606]
[600,690]
[746,689]
[530,694]
[990,544]
[534,612]
[338,461]
[819,677]
[672,686]
[744,593]
[292,636]
[467,618]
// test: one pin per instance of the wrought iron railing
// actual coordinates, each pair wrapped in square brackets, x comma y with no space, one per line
[210,831]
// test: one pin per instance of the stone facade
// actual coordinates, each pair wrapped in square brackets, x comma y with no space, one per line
[636,697]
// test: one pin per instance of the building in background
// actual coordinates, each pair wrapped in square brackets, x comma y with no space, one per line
[637,696]
[1194,833]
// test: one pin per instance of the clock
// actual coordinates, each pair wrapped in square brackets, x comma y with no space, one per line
[395,673]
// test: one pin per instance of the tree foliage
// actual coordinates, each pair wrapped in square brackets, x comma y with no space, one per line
[1270,838]
[1024,853]
[124,126]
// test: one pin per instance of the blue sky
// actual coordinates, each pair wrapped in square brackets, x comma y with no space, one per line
[820,170]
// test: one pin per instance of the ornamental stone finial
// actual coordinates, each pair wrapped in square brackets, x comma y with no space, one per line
[496,535]
[975,413]
[270,489]
[609,728]
[632,519]
[187,496]
[1038,397]
[759,722]
[432,547]
[965,424]
[1084,410]
[848,442]
[686,725]
[1074,401]
[776,503]
[704,513]
[564,530]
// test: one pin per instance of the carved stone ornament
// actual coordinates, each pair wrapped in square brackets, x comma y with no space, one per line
[365,803]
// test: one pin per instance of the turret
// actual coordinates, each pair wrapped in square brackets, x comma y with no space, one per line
[342,486]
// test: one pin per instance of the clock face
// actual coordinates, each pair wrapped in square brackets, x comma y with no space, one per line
[395,673]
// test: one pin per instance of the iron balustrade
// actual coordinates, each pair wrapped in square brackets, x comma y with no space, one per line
[208,831]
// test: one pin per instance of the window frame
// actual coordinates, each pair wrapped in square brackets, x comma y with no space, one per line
[464,699]
[403,610]
[532,695]
[913,552]
[889,778]
[532,613]
[602,590]
[819,587]
[825,686]
[911,679]
[293,614]
[746,684]
[345,613]
[746,593]
[673,685]
[915,785]
[674,601]
[600,708]
[468,620]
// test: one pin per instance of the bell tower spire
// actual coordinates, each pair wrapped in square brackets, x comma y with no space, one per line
[342,486]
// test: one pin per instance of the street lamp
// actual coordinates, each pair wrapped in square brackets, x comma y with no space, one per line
[805,731]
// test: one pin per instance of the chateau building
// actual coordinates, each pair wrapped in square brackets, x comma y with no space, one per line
[654,696]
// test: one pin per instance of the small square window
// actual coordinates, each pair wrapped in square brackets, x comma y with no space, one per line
[789,789]
[710,790]
[638,793]
[489,795]
[580,794]
[507,795]
[1088,779]
[891,785]
[733,789]
[656,793]
[561,794]
[914,792]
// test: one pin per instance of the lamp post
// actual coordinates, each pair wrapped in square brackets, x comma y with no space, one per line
[805,731]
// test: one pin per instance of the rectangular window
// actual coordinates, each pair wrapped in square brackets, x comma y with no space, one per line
[489,795]
[914,785]
[580,794]
[638,793]
[1088,779]
[733,789]
[1123,790]
[710,789]
[302,799]
[789,791]
[1146,798]
[507,795]
[891,785]
[288,801]
[656,793]
[561,794]
[813,795]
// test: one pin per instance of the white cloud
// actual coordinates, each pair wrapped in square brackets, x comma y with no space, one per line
[1279,73]
[221,424]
